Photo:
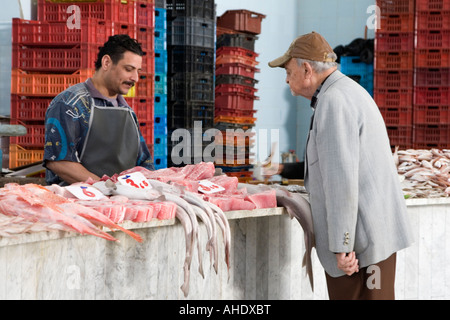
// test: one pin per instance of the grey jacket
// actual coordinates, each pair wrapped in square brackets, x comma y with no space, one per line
[356,200]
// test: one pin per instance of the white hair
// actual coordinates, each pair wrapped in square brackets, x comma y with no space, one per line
[319,66]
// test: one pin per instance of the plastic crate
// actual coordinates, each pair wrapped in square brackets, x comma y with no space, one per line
[227,55]
[187,31]
[393,98]
[161,61]
[236,88]
[45,85]
[160,124]
[145,87]
[431,134]
[394,60]
[432,5]
[393,79]
[37,33]
[54,60]
[396,6]
[160,146]
[35,137]
[431,114]
[237,69]
[352,65]
[160,84]
[143,107]
[191,8]
[433,20]
[246,41]
[235,79]
[183,114]
[184,59]
[146,129]
[191,86]
[434,39]
[20,156]
[160,18]
[129,12]
[160,104]
[28,109]
[432,58]
[241,121]
[400,135]
[403,22]
[160,162]
[160,39]
[397,116]
[234,112]
[439,77]
[234,100]
[394,41]
[241,20]
[432,96]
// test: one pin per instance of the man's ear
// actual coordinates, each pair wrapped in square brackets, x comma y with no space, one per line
[307,68]
[106,62]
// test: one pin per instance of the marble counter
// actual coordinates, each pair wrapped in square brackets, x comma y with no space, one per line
[266,254]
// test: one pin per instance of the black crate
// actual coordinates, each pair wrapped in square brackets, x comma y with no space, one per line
[191,86]
[235,79]
[183,114]
[242,40]
[191,8]
[191,31]
[183,59]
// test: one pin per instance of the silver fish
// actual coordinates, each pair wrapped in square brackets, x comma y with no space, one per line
[185,220]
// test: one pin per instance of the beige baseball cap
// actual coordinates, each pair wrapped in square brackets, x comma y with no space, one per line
[311,46]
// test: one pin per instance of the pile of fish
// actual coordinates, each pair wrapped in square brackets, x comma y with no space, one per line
[423,173]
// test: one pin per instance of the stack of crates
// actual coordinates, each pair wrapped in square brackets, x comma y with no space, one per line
[358,70]
[53,53]
[394,69]
[191,28]
[235,90]
[432,75]
[160,105]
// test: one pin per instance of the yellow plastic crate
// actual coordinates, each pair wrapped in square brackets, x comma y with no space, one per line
[19,156]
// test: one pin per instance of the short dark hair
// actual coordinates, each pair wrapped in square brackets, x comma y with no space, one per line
[116,46]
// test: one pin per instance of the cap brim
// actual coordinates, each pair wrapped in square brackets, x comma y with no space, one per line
[279,62]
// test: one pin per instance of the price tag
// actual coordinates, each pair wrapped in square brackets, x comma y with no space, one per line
[206,186]
[136,180]
[85,192]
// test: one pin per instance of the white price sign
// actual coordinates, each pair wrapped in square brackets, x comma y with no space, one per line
[136,180]
[85,192]
[206,186]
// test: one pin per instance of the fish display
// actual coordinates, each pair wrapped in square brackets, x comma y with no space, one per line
[423,173]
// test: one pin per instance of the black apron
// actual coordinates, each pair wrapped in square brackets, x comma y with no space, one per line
[112,142]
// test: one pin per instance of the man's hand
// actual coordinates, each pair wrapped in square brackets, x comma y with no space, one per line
[347,262]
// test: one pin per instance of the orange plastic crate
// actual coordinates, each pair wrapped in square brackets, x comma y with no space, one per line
[227,55]
[431,114]
[395,6]
[432,58]
[393,98]
[236,68]
[403,22]
[45,85]
[385,60]
[20,156]
[432,5]
[434,39]
[433,20]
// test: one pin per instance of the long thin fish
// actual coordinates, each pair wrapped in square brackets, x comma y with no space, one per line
[185,220]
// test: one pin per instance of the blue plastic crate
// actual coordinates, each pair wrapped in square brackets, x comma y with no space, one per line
[160,18]
[160,105]
[160,147]
[160,125]
[160,83]
[353,66]
[160,39]
[160,61]
[160,162]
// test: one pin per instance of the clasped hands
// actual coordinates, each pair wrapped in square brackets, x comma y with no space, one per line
[347,262]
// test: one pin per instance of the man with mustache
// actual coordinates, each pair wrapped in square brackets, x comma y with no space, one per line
[90,130]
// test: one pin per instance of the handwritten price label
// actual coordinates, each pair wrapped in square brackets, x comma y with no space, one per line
[136,180]
[208,187]
[85,192]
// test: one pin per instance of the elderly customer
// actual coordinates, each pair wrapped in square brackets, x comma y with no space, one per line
[358,208]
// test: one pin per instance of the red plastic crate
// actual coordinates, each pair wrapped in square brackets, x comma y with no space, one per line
[393,79]
[147,131]
[34,138]
[145,87]
[385,60]
[434,39]
[227,55]
[234,100]
[394,41]
[439,77]
[431,134]
[432,5]
[432,58]
[400,135]
[433,20]
[397,116]
[54,60]
[45,85]
[234,112]
[231,88]
[143,107]
[241,20]
[431,114]
[236,68]
[403,22]
[432,96]
[393,98]
[395,6]
[130,12]
[28,109]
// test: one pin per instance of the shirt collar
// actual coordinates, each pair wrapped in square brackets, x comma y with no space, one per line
[120,101]
[314,97]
